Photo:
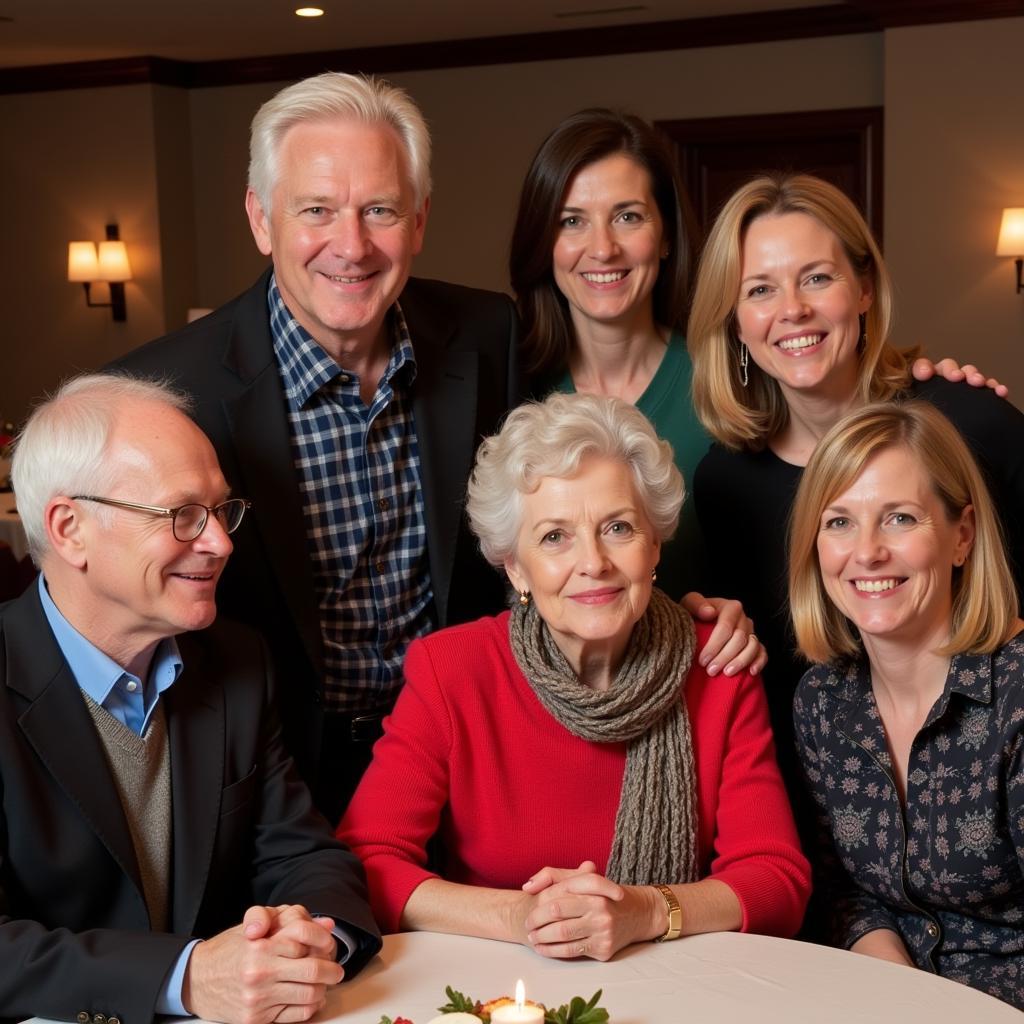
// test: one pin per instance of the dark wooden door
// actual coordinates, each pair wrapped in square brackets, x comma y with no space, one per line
[718,154]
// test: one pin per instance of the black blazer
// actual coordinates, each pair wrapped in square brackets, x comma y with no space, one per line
[74,929]
[465,342]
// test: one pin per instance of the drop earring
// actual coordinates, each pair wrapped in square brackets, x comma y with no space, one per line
[744,364]
[524,597]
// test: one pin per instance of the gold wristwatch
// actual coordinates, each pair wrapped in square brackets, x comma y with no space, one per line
[675,914]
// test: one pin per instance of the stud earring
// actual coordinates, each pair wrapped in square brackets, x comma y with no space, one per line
[654,575]
[744,364]
[524,597]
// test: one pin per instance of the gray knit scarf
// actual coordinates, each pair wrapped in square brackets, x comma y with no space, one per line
[655,827]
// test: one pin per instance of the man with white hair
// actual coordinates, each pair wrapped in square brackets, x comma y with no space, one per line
[158,852]
[347,399]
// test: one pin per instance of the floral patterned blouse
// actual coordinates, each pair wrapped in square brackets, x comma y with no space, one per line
[946,873]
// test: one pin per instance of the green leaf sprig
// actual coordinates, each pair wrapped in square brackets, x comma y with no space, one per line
[458,1003]
[575,1012]
[578,1012]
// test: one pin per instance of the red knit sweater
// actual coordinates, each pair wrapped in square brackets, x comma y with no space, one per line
[470,752]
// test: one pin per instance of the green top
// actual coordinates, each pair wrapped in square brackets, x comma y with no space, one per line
[667,404]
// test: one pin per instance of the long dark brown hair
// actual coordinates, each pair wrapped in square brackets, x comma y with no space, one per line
[580,140]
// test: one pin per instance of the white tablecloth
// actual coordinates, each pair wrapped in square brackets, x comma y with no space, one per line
[11,531]
[707,979]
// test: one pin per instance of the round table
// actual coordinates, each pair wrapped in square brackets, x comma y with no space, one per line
[720,978]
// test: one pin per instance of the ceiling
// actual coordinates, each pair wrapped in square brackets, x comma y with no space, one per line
[34,32]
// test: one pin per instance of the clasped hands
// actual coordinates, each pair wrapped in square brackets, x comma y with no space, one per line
[275,966]
[569,912]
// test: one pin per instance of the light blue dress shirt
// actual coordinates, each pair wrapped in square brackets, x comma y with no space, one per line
[131,701]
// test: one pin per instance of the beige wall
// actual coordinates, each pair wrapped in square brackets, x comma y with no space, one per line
[228,260]
[954,157]
[72,162]
[487,122]
[172,137]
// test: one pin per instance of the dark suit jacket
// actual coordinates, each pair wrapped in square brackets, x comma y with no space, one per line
[465,342]
[74,929]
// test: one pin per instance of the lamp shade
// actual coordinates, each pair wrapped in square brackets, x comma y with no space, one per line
[113,263]
[82,263]
[1011,233]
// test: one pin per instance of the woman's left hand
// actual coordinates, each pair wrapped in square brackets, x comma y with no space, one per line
[925,369]
[583,913]
[732,643]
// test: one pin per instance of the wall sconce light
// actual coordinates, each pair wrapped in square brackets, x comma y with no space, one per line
[1011,240]
[110,265]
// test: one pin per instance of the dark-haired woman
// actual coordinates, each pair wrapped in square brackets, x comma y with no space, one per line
[600,263]
[601,259]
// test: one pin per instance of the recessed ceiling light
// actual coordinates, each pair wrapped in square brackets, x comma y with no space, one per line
[309,12]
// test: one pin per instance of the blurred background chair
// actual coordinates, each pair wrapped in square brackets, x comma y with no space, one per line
[15,574]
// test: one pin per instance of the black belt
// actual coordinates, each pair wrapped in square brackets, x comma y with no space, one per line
[357,727]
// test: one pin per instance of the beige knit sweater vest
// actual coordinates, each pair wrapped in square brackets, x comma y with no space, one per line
[141,768]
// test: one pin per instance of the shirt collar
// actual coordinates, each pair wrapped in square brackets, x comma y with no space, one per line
[969,674]
[95,672]
[847,679]
[306,368]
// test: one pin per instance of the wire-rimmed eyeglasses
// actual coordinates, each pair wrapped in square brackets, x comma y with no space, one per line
[187,521]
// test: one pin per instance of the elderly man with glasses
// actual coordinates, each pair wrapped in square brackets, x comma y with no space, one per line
[158,852]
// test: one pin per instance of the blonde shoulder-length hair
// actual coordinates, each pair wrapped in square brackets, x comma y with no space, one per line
[748,417]
[984,595]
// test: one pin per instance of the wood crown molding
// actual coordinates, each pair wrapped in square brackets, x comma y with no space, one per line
[855,16]
[896,13]
[94,73]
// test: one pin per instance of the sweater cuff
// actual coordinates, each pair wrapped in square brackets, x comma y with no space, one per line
[390,887]
[772,895]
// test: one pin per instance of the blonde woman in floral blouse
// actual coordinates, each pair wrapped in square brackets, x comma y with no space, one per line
[911,724]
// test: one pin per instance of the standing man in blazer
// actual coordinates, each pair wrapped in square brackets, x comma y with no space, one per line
[158,851]
[348,401]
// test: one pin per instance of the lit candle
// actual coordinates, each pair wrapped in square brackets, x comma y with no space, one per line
[520,1012]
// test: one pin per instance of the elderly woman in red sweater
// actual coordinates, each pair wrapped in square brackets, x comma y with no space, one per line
[590,785]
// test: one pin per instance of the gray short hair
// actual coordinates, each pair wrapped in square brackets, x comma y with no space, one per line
[551,439]
[63,446]
[335,94]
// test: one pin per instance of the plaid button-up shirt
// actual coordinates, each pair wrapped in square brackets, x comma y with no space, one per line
[359,471]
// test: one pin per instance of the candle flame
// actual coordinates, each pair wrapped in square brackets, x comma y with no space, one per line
[520,994]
